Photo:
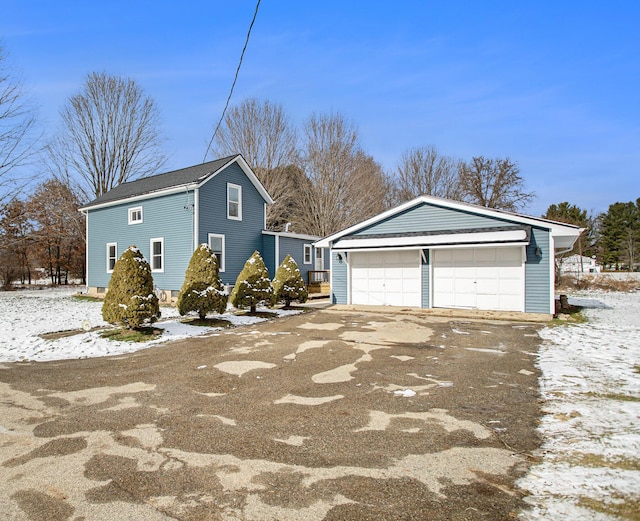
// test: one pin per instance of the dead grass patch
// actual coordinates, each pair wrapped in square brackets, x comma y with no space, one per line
[622,508]
[600,282]
[143,334]
[614,396]
[207,322]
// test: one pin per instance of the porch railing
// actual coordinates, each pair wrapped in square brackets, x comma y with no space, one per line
[318,276]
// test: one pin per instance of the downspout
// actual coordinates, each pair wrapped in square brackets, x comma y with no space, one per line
[196,218]
[86,249]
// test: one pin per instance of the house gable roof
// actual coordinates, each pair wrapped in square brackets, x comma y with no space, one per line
[190,177]
[565,234]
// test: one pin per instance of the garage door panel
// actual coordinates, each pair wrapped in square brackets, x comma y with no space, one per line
[483,278]
[386,278]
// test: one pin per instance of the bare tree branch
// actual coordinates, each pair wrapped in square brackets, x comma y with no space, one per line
[494,183]
[423,171]
[110,135]
[17,123]
[263,134]
[345,185]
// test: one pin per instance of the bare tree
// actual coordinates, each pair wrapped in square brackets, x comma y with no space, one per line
[423,171]
[494,183]
[110,135]
[263,134]
[17,123]
[345,185]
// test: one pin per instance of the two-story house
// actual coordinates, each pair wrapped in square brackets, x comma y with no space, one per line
[221,203]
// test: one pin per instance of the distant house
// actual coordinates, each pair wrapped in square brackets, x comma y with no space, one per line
[437,253]
[221,203]
[579,264]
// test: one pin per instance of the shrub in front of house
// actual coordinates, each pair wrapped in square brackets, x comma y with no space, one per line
[253,285]
[288,284]
[202,290]
[130,300]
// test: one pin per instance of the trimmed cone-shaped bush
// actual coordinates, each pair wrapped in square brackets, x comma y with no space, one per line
[253,285]
[130,300]
[202,290]
[288,284]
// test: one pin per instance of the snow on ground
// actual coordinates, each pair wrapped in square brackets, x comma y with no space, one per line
[590,467]
[590,457]
[27,314]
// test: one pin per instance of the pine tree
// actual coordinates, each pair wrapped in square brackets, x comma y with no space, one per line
[288,284]
[130,299]
[202,289]
[253,284]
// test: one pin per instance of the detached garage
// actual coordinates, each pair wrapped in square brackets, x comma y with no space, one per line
[437,253]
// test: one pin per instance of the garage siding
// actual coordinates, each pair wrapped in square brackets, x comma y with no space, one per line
[425,280]
[339,285]
[537,274]
[431,218]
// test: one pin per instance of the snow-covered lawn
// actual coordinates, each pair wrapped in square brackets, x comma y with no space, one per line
[25,315]
[590,468]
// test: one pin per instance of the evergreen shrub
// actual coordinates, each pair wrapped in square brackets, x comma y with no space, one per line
[288,284]
[253,285]
[202,290]
[130,300]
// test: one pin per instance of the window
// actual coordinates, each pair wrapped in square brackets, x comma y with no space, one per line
[135,215]
[234,202]
[307,254]
[112,255]
[157,254]
[216,243]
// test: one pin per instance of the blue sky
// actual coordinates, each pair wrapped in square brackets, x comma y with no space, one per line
[554,85]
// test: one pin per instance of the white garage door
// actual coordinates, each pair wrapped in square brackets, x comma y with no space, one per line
[390,278]
[482,278]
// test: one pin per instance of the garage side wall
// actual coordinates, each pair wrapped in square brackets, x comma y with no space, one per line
[537,273]
[338,279]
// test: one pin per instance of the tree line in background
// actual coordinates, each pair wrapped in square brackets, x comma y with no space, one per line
[320,176]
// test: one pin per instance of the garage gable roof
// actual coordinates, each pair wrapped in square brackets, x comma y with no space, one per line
[564,234]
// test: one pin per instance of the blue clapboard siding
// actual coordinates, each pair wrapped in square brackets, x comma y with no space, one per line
[269,253]
[538,273]
[338,279]
[427,217]
[107,225]
[424,273]
[243,237]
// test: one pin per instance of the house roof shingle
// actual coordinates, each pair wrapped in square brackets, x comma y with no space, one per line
[146,185]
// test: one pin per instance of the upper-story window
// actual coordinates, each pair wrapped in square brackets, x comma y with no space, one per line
[135,215]
[234,202]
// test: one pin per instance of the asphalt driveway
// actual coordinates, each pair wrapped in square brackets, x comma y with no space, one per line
[323,416]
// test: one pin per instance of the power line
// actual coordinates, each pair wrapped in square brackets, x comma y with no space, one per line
[235,79]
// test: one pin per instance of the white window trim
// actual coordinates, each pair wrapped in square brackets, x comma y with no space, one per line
[161,241]
[307,248]
[109,244]
[221,268]
[239,188]
[132,211]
